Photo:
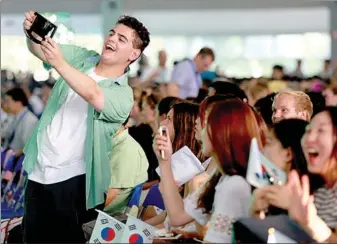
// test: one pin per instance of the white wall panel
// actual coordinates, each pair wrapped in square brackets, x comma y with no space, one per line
[240,22]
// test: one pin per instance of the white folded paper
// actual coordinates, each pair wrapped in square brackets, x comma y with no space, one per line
[185,165]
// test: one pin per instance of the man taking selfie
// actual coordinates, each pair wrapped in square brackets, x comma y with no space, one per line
[67,156]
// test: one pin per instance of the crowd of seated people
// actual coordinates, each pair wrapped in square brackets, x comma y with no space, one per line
[292,117]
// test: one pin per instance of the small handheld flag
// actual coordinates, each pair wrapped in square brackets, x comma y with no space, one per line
[275,174]
[107,229]
[137,231]
[256,174]
[261,172]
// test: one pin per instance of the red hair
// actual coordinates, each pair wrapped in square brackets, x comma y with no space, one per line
[231,126]
[206,105]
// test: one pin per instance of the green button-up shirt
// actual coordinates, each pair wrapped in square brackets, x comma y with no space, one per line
[101,126]
[128,164]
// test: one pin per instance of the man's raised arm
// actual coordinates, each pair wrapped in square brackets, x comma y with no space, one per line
[33,47]
[50,52]
[82,84]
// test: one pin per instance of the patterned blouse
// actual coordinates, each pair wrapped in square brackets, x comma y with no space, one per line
[231,202]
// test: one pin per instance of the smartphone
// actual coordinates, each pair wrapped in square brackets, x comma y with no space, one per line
[163,132]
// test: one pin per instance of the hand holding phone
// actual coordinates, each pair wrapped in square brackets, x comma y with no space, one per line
[163,132]
[37,27]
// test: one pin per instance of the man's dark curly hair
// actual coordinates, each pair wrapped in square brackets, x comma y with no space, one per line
[142,38]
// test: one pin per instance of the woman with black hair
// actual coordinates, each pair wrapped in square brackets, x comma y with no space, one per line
[317,213]
[283,148]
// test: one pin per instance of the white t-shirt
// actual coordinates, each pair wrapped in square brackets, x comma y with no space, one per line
[61,149]
[231,202]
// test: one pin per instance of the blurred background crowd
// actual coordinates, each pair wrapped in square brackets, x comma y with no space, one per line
[174,79]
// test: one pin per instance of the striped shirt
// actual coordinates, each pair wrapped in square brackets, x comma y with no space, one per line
[326,205]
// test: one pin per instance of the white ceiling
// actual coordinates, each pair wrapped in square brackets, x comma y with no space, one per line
[184,17]
[241,22]
[93,6]
[211,22]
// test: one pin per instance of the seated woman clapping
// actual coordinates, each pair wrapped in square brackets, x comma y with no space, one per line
[283,148]
[318,213]
[303,210]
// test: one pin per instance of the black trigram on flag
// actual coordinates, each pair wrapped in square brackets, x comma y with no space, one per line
[96,240]
[104,221]
[146,232]
[118,227]
[132,227]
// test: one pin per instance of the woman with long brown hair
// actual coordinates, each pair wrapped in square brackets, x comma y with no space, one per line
[230,127]
[210,165]
[180,124]
[204,109]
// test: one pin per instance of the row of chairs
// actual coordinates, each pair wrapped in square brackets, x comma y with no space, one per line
[141,198]
[12,185]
